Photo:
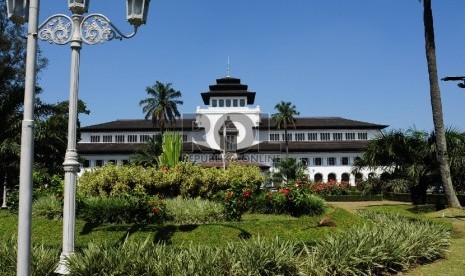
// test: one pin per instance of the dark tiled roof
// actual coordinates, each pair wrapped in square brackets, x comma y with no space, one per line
[228,87]
[345,146]
[138,125]
[322,123]
[189,147]
[266,123]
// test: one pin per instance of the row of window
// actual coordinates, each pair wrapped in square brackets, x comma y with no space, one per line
[100,163]
[132,138]
[227,102]
[319,161]
[323,136]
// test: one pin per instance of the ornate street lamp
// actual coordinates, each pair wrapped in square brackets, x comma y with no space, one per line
[137,11]
[78,6]
[17,10]
[59,29]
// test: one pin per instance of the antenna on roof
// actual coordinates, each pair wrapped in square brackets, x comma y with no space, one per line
[228,69]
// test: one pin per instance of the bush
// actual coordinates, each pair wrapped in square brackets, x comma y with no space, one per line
[253,257]
[49,207]
[193,211]
[331,188]
[43,260]
[389,244]
[186,179]
[236,202]
[122,210]
[291,200]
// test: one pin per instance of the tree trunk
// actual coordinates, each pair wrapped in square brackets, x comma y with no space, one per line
[436,106]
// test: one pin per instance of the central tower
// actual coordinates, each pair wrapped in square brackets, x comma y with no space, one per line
[228,120]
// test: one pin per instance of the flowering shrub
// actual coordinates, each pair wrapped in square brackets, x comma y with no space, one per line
[332,188]
[236,201]
[156,209]
[295,199]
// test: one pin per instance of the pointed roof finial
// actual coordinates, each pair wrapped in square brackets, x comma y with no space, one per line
[228,69]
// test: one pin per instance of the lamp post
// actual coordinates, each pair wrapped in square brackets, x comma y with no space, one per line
[457,78]
[4,194]
[59,29]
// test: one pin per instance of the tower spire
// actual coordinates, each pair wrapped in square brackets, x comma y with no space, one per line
[228,69]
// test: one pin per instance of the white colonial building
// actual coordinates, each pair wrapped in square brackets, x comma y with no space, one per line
[229,129]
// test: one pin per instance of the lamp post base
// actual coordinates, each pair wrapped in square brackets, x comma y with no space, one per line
[62,268]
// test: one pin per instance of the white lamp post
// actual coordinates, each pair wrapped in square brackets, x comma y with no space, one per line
[4,195]
[59,29]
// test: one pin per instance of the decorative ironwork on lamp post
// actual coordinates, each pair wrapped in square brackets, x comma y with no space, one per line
[59,29]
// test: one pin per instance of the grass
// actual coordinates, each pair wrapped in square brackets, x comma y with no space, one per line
[454,219]
[48,232]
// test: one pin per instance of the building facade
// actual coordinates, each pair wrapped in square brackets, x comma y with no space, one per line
[230,129]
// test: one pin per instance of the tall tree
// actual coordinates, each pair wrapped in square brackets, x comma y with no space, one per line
[412,155]
[284,118]
[405,155]
[12,70]
[162,105]
[436,105]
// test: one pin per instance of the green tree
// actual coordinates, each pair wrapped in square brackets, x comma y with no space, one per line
[436,105]
[404,155]
[50,141]
[148,155]
[284,118]
[162,105]
[12,70]
[290,169]
[412,156]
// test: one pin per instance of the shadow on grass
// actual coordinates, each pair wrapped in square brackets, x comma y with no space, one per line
[428,208]
[165,233]
[162,233]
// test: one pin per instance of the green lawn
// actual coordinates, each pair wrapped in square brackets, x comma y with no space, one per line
[48,232]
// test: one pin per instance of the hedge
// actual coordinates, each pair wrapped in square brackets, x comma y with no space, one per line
[430,198]
[353,197]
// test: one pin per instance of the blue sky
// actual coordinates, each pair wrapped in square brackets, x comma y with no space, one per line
[359,59]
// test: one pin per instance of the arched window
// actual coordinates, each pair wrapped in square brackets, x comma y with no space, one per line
[331,176]
[358,178]
[345,177]
[318,177]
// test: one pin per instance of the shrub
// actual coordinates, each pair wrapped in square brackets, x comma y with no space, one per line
[122,209]
[291,200]
[253,257]
[43,260]
[332,188]
[193,211]
[49,207]
[389,244]
[186,179]
[236,202]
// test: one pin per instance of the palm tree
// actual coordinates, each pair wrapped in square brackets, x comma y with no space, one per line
[148,156]
[162,105]
[436,106]
[284,118]
[405,155]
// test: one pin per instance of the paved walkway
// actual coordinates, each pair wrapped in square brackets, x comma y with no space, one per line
[357,205]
